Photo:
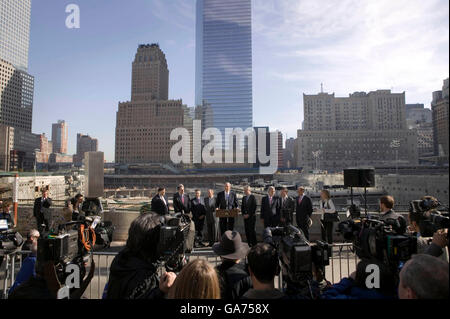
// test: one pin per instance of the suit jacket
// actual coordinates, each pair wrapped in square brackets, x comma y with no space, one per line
[248,207]
[178,205]
[222,203]
[303,210]
[210,207]
[287,208]
[38,204]
[198,208]
[158,205]
[268,211]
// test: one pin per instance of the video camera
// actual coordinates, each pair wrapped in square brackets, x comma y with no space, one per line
[70,244]
[385,241]
[429,219]
[10,240]
[173,242]
[297,255]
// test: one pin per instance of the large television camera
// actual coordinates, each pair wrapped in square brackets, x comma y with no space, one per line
[71,243]
[429,218]
[173,239]
[298,257]
[10,240]
[384,240]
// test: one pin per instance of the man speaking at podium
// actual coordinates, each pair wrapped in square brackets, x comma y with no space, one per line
[227,200]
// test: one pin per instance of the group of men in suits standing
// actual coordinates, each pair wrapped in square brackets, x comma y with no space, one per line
[275,211]
[279,210]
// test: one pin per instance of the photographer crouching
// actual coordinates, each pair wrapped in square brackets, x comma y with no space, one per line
[134,272]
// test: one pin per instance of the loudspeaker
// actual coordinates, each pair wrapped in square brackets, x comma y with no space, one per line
[359,177]
[94,174]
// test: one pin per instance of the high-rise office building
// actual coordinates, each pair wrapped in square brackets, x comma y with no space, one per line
[224,61]
[144,124]
[15,19]
[59,137]
[16,97]
[16,85]
[364,129]
[440,109]
[150,74]
[85,143]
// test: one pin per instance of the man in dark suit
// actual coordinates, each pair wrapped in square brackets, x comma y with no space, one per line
[40,205]
[227,200]
[182,202]
[303,211]
[287,206]
[270,209]
[199,215]
[248,208]
[160,204]
[212,222]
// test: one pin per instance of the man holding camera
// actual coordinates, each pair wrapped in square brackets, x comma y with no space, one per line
[133,273]
[41,207]
[263,266]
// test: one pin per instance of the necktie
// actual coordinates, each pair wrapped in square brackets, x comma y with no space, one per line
[300,198]
[270,200]
[182,199]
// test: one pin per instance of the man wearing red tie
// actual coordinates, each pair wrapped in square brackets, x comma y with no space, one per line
[182,202]
[270,209]
[303,211]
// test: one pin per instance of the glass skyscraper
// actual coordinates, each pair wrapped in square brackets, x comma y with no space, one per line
[15,19]
[224,61]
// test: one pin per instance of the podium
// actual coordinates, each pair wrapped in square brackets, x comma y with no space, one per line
[227,213]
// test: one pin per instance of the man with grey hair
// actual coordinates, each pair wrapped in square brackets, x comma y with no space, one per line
[424,277]
[32,237]
[227,200]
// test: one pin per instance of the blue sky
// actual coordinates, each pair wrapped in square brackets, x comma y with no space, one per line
[349,45]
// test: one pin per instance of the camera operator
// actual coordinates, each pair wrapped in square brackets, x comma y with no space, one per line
[423,243]
[355,287]
[45,284]
[40,204]
[263,266]
[28,265]
[424,277]
[133,273]
[234,279]
[5,214]
[32,238]
[386,208]
[438,244]
[77,203]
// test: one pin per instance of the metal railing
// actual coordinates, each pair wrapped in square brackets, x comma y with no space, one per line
[342,263]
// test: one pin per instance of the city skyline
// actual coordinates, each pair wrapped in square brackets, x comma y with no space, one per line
[82,73]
